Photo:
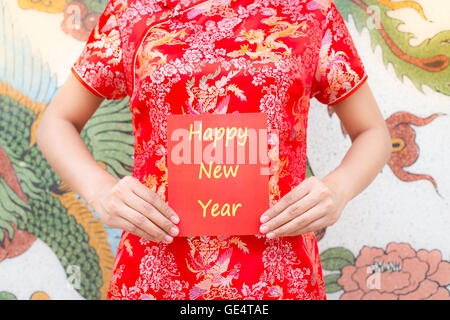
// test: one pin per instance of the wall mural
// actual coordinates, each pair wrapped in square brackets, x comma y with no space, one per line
[53,246]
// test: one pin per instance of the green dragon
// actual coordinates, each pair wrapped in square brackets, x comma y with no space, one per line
[425,64]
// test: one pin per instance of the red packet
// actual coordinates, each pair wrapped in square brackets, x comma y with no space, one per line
[217,172]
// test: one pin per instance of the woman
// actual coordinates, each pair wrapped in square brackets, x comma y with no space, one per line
[217,56]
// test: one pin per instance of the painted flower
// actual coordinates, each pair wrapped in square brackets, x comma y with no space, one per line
[397,273]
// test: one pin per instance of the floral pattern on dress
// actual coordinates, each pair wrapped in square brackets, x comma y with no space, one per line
[220,56]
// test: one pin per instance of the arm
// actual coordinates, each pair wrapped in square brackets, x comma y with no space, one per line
[317,203]
[371,144]
[58,137]
[124,203]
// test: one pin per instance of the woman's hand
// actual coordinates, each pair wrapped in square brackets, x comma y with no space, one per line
[309,207]
[131,206]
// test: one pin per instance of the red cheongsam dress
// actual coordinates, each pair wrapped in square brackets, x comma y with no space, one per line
[219,56]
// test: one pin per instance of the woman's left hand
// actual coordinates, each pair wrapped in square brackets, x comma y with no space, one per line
[309,207]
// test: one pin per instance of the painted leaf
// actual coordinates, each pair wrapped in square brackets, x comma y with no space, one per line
[335,259]
[4,295]
[331,284]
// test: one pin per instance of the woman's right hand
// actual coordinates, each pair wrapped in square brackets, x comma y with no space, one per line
[131,206]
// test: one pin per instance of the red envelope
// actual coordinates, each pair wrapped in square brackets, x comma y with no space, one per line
[217,172]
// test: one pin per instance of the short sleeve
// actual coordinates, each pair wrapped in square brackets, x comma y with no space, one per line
[99,67]
[340,71]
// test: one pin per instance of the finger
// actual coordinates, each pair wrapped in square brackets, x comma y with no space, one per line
[312,227]
[292,212]
[299,223]
[137,203]
[142,222]
[124,224]
[289,198]
[148,195]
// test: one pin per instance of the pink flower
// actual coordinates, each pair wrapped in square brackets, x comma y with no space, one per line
[397,273]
